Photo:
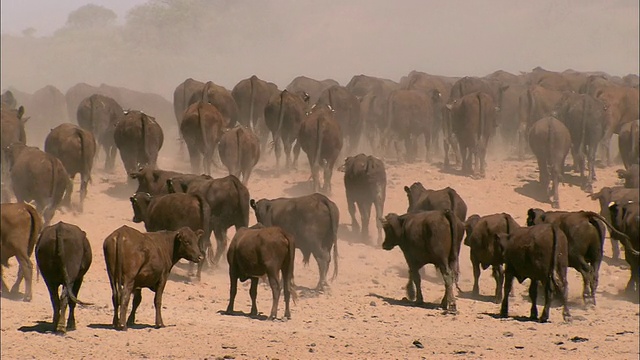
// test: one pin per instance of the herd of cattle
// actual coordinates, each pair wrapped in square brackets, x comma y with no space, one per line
[548,112]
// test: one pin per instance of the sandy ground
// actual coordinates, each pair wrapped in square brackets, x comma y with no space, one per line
[361,316]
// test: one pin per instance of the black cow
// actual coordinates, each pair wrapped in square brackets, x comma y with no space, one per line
[64,256]
[427,237]
[365,182]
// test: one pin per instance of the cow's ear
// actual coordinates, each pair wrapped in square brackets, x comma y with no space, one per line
[199,233]
[133,199]
[252,202]
[20,112]
[134,175]
[395,222]
[407,190]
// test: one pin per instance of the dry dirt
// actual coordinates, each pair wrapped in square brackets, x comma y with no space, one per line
[361,316]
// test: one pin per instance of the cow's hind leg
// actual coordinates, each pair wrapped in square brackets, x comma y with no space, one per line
[274,282]
[84,183]
[323,259]
[26,271]
[286,284]
[233,290]
[476,277]
[71,322]
[253,293]
[157,302]
[448,301]
[508,281]
[125,296]
[55,303]
[585,271]
[137,299]
[414,275]
[498,274]
[351,206]
[365,215]
[64,302]
[533,295]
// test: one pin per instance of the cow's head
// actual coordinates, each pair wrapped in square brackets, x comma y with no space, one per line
[413,194]
[188,243]
[392,226]
[140,202]
[500,244]
[535,216]
[262,209]
[468,227]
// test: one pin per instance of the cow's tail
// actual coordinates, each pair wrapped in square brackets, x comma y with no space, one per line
[385,135]
[86,161]
[583,129]
[455,249]
[239,152]
[290,261]
[118,281]
[549,151]
[553,281]
[67,285]
[276,135]
[203,131]
[319,136]
[252,99]
[205,216]
[482,120]
[530,108]
[622,237]
[243,202]
[334,234]
[452,199]
[506,219]
[143,131]
[91,111]
[34,232]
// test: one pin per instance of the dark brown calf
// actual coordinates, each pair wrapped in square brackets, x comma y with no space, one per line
[20,226]
[427,237]
[136,260]
[481,232]
[64,257]
[538,253]
[626,218]
[257,251]
[239,150]
[585,231]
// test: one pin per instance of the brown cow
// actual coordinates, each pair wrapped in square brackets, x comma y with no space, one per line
[346,111]
[625,217]
[539,253]
[12,124]
[139,139]
[239,150]
[309,88]
[622,107]
[616,194]
[283,115]
[628,143]
[251,96]
[156,182]
[38,176]
[365,182]
[201,128]
[138,260]
[473,122]
[428,237]
[550,142]
[99,114]
[228,200]
[536,103]
[257,251]
[481,232]
[320,138]
[219,97]
[181,96]
[585,231]
[409,115]
[20,226]
[173,211]
[421,199]
[76,149]
[64,257]
[313,222]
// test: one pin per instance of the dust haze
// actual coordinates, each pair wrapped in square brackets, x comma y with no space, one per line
[154,46]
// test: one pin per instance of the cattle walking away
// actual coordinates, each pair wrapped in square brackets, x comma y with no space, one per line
[539,253]
[312,220]
[64,256]
[428,237]
[257,251]
[20,226]
[138,260]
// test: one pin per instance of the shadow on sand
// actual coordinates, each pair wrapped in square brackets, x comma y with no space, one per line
[121,190]
[406,302]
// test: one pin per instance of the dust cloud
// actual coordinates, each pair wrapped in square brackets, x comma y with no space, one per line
[156,45]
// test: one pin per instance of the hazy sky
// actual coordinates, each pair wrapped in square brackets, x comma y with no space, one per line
[386,38]
[46,16]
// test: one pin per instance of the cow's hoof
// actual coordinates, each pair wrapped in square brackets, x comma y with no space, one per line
[504,315]
[27,298]
[159,326]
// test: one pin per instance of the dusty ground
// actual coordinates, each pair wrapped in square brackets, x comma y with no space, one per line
[361,316]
